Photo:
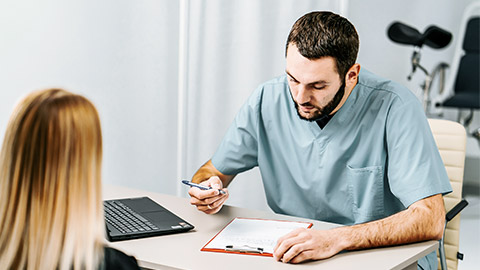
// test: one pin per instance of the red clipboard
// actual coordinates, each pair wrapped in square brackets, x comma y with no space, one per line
[258,233]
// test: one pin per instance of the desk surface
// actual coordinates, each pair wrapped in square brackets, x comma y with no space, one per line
[182,251]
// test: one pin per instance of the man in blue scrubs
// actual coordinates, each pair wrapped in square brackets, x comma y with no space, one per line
[334,143]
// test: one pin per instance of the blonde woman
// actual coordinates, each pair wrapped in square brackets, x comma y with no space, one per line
[51,214]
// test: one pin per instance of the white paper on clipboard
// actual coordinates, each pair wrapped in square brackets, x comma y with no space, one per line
[259,233]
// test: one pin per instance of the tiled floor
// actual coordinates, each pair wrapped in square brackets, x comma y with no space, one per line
[470,230]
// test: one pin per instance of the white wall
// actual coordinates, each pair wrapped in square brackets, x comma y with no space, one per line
[120,54]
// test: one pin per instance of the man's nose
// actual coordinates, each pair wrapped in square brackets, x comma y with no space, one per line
[303,95]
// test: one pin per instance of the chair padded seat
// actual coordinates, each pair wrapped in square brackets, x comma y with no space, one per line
[463,100]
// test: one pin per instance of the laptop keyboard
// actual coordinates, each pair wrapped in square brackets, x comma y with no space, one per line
[125,219]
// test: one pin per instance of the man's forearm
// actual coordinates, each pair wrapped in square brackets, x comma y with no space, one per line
[207,171]
[423,220]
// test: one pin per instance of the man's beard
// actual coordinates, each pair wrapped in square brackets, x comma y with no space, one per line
[325,111]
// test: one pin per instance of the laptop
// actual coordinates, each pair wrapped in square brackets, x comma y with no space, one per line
[134,218]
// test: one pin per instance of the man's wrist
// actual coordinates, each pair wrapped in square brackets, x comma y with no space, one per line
[201,176]
[345,237]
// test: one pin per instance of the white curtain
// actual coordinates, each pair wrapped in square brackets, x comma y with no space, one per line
[233,46]
[124,55]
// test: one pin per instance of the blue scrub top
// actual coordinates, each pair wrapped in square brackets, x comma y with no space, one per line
[374,158]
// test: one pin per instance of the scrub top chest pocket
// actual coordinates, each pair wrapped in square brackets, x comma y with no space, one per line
[366,188]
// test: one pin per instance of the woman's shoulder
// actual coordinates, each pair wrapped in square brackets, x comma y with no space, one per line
[115,259]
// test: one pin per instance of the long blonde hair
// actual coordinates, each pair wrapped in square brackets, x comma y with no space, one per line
[51,214]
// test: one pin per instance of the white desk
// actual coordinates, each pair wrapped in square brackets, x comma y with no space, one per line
[182,251]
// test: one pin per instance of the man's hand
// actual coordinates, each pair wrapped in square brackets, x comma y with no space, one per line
[422,220]
[306,244]
[209,201]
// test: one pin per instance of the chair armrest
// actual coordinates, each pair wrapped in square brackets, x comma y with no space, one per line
[456,209]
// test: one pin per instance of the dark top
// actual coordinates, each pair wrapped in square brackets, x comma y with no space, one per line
[322,122]
[116,260]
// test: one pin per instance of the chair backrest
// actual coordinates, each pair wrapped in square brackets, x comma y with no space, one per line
[469,68]
[471,11]
[451,141]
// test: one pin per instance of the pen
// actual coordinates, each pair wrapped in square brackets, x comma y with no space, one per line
[244,249]
[186,182]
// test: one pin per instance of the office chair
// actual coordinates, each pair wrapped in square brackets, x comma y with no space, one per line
[451,140]
[463,86]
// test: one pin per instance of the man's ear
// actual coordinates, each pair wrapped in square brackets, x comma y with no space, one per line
[351,77]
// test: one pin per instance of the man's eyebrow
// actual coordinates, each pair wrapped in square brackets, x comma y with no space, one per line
[312,83]
[288,73]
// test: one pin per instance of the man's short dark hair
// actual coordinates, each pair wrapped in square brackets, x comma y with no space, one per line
[320,34]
